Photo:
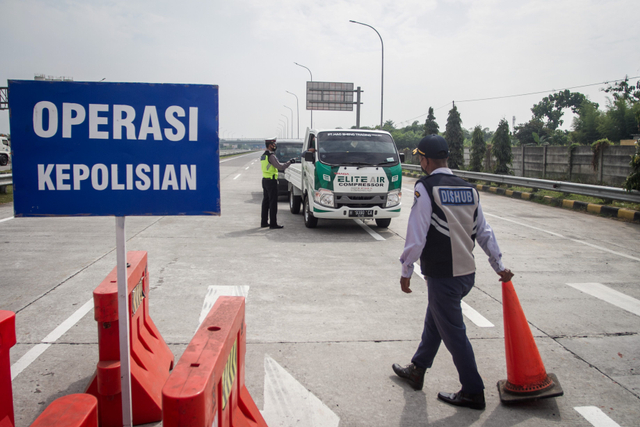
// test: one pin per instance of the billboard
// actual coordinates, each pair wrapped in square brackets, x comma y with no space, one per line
[330,96]
[114,149]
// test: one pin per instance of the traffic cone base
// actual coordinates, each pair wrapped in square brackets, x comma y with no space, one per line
[542,385]
[506,396]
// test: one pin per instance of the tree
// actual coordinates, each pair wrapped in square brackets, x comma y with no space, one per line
[551,107]
[454,136]
[585,125]
[430,126]
[633,180]
[388,126]
[524,132]
[622,90]
[502,148]
[478,149]
[619,122]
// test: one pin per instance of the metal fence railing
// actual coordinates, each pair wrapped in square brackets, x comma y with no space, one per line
[610,193]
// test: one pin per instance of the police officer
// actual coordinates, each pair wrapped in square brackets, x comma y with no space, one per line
[445,221]
[270,168]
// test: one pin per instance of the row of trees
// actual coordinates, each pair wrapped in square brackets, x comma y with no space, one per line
[620,120]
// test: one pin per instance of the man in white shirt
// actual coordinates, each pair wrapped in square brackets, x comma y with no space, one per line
[446,220]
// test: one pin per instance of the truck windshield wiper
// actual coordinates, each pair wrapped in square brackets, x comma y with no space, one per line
[387,162]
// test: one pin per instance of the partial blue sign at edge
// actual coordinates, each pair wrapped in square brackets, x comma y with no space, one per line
[114,149]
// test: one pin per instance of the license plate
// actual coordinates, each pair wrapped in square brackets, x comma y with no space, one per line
[361,213]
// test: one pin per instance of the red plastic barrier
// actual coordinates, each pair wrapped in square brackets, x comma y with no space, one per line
[7,340]
[207,386]
[151,358]
[73,410]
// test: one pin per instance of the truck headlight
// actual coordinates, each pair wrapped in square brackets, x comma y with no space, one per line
[393,198]
[324,197]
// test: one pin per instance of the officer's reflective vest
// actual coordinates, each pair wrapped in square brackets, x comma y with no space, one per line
[268,170]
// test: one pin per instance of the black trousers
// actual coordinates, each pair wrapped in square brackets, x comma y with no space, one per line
[269,202]
[444,323]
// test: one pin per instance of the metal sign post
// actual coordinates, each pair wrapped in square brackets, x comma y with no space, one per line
[123,322]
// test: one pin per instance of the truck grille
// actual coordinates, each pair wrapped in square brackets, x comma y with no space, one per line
[361,201]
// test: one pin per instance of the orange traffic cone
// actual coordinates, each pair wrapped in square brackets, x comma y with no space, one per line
[526,377]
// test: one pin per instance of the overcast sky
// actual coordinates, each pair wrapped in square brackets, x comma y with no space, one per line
[435,52]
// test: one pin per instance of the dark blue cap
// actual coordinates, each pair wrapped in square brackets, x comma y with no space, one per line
[433,147]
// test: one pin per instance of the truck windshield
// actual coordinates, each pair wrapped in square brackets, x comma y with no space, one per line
[286,151]
[356,148]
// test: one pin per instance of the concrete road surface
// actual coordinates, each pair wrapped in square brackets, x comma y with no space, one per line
[325,315]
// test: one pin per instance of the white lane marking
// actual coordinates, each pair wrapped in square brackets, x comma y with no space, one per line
[474,316]
[368,230]
[31,355]
[564,237]
[471,314]
[595,416]
[237,176]
[6,219]
[218,291]
[288,403]
[609,295]
[247,168]
[28,358]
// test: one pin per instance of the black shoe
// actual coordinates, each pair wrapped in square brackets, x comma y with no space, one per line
[468,400]
[411,373]
[275,227]
[264,225]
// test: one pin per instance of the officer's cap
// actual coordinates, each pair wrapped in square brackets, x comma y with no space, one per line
[433,147]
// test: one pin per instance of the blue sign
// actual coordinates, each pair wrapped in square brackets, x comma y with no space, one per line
[114,149]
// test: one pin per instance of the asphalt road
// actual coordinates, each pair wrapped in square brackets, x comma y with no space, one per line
[325,305]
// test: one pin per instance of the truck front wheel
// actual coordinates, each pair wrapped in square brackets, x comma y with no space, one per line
[310,221]
[383,222]
[294,203]
[4,159]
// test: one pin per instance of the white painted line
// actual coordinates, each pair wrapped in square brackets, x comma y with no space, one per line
[31,355]
[595,416]
[609,295]
[68,324]
[28,358]
[474,316]
[247,168]
[237,176]
[6,219]
[287,403]
[563,237]
[368,230]
[218,291]
[471,314]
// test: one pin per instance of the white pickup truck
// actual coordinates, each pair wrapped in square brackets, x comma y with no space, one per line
[347,174]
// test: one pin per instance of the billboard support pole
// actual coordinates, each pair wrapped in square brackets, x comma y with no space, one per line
[358,91]
[123,321]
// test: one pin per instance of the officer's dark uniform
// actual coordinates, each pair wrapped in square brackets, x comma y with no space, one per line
[270,167]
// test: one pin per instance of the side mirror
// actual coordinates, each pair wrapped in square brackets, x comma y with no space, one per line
[401,157]
[309,156]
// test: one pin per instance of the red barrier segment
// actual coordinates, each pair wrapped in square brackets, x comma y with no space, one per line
[73,410]
[527,379]
[207,385]
[7,340]
[151,358]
